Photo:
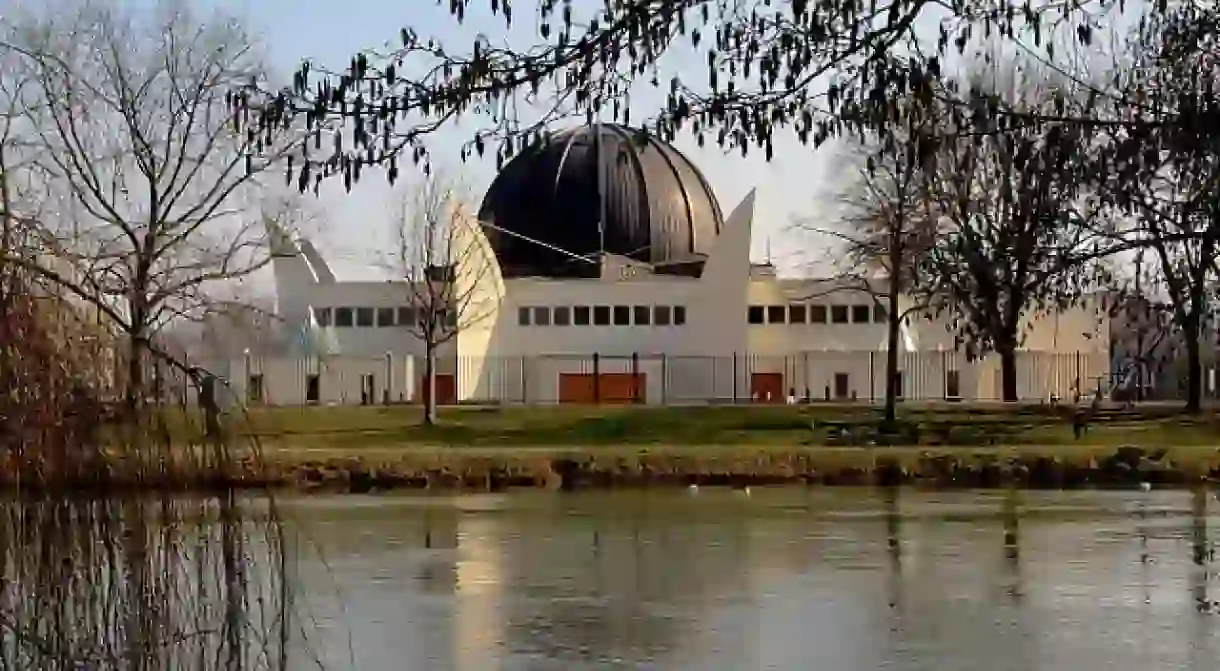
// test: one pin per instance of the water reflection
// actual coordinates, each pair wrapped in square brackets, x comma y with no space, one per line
[1201,553]
[142,584]
[1012,541]
[785,579]
[893,534]
[1202,556]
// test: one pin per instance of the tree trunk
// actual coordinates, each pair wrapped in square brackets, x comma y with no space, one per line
[1194,367]
[134,392]
[1008,372]
[893,326]
[137,348]
[430,384]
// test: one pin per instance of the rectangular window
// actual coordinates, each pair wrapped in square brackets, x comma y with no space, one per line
[754,314]
[817,314]
[860,314]
[679,315]
[660,315]
[406,316]
[313,389]
[451,318]
[953,384]
[385,316]
[343,317]
[842,384]
[880,314]
[643,315]
[368,385]
[580,315]
[562,315]
[323,316]
[776,314]
[796,314]
[898,391]
[364,316]
[542,316]
[254,394]
[601,315]
[523,316]
[622,315]
[838,314]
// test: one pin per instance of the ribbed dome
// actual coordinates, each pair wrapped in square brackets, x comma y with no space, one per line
[658,207]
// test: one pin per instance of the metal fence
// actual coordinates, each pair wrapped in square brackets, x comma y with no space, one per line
[804,377]
[815,376]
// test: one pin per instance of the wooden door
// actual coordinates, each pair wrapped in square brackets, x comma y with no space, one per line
[605,388]
[767,388]
[446,389]
[576,388]
[622,388]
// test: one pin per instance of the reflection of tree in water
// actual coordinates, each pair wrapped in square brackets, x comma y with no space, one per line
[1201,552]
[416,540]
[141,584]
[610,599]
[1012,542]
[1202,555]
[893,541]
[589,578]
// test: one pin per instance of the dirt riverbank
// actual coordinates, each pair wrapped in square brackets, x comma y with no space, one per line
[1061,466]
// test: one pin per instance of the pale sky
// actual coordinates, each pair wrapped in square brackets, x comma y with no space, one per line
[794,183]
[799,182]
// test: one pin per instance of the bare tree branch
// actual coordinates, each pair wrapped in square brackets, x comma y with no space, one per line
[136,133]
[442,271]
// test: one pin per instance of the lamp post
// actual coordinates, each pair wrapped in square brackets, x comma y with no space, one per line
[1139,331]
[245,384]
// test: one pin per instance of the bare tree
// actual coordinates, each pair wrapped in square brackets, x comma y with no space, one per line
[152,170]
[438,255]
[1166,178]
[888,227]
[1144,322]
[1179,222]
[1014,209]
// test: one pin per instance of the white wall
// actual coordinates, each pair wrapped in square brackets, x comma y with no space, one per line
[709,358]
[285,378]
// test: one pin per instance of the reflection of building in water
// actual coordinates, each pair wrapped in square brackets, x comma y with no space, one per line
[478,615]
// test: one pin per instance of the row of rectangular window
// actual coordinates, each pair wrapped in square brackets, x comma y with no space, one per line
[816,314]
[602,315]
[379,317]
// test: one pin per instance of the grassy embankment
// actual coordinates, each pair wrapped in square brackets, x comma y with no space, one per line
[368,447]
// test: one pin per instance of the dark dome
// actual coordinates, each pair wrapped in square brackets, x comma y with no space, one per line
[658,207]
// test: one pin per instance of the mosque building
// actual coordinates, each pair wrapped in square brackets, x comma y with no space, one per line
[600,268]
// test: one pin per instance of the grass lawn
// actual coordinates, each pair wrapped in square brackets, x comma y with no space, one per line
[770,443]
[758,427]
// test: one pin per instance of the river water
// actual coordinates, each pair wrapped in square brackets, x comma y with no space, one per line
[785,578]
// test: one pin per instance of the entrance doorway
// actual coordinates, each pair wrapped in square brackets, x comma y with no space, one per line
[604,388]
[767,387]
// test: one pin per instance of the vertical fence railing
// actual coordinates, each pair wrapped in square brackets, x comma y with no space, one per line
[646,378]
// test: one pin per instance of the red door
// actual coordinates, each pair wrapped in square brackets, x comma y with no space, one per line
[767,388]
[605,388]
[446,389]
[576,388]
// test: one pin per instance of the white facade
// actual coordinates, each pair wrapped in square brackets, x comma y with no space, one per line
[734,333]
